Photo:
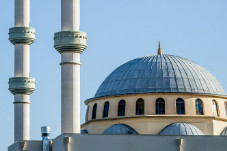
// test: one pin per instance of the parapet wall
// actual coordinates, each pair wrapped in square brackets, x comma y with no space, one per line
[78,142]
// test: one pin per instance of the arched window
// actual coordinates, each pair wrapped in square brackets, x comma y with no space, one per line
[199,107]
[180,106]
[139,107]
[94,111]
[106,109]
[226,109]
[214,108]
[121,108]
[87,112]
[160,106]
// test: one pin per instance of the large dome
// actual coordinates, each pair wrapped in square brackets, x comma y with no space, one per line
[160,74]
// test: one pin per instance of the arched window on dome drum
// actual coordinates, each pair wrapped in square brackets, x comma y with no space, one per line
[106,109]
[121,108]
[140,107]
[94,111]
[160,106]
[199,107]
[180,106]
[87,112]
[214,108]
[226,109]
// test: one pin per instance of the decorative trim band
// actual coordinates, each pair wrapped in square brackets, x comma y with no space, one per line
[76,63]
[18,102]
[21,85]
[70,41]
[22,35]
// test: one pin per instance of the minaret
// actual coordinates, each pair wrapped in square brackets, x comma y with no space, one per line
[21,85]
[70,43]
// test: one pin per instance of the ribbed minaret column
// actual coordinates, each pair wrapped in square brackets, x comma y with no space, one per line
[70,43]
[21,85]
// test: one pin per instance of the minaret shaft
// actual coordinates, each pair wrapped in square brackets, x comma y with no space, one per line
[22,69]
[22,60]
[70,15]
[70,43]
[21,85]
[70,104]
[22,13]
[21,117]
[70,72]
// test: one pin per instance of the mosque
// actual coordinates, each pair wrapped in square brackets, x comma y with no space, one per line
[159,94]
[159,102]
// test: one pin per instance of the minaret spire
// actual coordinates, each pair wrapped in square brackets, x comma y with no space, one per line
[159,49]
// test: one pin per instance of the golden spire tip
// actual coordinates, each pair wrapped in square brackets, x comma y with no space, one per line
[159,49]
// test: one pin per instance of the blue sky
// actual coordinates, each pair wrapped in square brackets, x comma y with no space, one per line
[118,31]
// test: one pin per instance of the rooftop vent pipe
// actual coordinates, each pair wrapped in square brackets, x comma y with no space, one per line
[45,131]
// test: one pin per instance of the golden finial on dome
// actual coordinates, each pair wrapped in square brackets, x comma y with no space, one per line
[159,49]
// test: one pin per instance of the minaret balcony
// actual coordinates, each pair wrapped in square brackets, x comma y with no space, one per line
[70,41]
[22,85]
[22,35]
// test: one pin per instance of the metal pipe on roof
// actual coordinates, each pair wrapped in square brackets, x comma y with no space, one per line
[45,131]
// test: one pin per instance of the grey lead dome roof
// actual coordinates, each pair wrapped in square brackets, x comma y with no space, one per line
[160,74]
[118,129]
[181,129]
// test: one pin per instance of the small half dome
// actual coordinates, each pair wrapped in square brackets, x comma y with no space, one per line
[224,132]
[84,131]
[120,129]
[181,129]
